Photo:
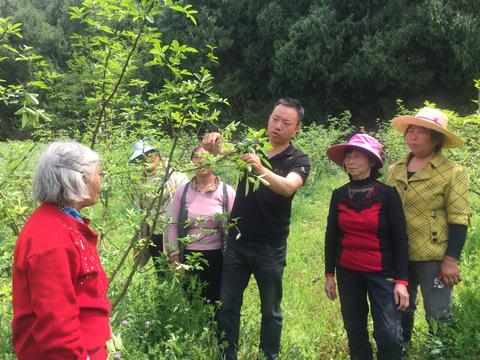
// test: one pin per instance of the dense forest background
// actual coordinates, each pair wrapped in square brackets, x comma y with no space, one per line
[333,55]
[109,72]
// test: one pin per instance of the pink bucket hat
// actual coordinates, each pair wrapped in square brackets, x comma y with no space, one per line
[431,119]
[336,153]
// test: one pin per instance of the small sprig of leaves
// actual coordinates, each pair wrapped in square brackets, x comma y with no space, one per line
[253,142]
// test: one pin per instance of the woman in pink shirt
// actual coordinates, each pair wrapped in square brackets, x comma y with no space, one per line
[205,198]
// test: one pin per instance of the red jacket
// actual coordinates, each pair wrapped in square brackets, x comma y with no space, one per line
[60,307]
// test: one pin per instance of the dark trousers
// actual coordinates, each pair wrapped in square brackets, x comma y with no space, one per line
[353,288]
[437,301]
[266,262]
[156,248]
[211,274]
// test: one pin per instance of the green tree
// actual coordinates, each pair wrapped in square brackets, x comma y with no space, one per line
[101,100]
[337,55]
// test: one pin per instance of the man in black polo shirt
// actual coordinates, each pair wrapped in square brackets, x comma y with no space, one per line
[263,223]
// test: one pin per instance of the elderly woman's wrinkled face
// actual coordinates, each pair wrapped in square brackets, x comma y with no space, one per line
[94,185]
[420,141]
[358,165]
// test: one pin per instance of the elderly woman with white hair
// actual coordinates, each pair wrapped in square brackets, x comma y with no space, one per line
[60,304]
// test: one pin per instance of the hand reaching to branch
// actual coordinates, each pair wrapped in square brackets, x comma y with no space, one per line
[212,142]
[254,161]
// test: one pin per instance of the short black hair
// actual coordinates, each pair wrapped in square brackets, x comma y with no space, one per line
[375,172]
[437,137]
[293,103]
[194,151]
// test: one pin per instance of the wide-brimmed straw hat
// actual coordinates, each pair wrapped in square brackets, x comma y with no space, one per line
[336,153]
[432,119]
[141,148]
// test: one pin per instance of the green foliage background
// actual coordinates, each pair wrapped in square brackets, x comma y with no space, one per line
[156,320]
[333,55]
[107,73]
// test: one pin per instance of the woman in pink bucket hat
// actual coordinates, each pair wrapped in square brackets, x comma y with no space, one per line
[434,193]
[366,246]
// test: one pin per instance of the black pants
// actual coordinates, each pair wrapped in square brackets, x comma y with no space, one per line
[266,262]
[211,274]
[156,248]
[353,288]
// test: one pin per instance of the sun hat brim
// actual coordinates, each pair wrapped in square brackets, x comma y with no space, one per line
[336,153]
[137,153]
[451,140]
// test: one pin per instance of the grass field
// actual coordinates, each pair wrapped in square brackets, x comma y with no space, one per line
[313,327]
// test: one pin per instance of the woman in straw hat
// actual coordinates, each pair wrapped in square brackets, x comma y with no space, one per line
[434,192]
[366,243]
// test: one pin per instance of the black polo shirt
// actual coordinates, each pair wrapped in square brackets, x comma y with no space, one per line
[262,215]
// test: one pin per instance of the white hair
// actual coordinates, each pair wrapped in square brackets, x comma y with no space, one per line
[61,171]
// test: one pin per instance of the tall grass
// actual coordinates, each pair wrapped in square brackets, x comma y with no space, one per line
[157,321]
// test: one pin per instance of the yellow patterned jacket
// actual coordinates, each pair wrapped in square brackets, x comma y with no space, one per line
[432,198]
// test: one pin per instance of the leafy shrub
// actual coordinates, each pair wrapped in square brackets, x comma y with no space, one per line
[165,318]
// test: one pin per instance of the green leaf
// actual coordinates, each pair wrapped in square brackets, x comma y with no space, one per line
[7,47]
[247,187]
[118,342]
[38,84]
[178,8]
[24,119]
[192,19]
[106,29]
[31,111]
[151,63]
[32,99]
[110,346]
[76,12]
[43,115]
[263,181]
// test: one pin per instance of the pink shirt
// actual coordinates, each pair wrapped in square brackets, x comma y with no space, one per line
[205,235]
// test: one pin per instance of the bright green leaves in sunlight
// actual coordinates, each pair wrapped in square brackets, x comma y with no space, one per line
[22,94]
[187,11]
[29,113]
[9,29]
